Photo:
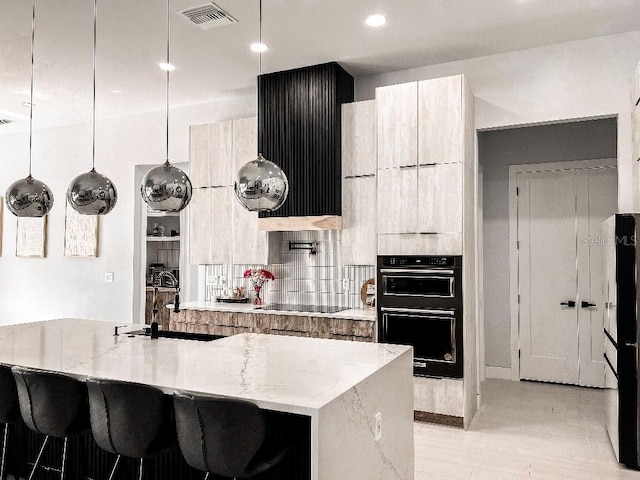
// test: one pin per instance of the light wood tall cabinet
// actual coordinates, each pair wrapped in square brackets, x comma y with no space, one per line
[221,230]
[420,201]
[427,196]
[359,162]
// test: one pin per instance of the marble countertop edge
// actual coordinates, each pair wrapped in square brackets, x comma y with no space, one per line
[348,314]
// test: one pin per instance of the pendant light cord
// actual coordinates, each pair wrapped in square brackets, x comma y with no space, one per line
[260,33]
[33,39]
[259,70]
[95,36]
[168,68]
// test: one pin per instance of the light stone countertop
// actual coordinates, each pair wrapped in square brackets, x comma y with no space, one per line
[291,374]
[350,314]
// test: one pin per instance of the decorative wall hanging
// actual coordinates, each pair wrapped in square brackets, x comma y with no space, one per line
[31,237]
[80,234]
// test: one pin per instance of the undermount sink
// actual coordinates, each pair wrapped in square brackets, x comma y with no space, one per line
[203,337]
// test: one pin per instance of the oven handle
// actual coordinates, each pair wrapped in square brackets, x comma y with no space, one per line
[417,310]
[417,270]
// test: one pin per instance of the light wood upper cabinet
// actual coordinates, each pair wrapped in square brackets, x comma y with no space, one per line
[199,164]
[222,231]
[440,121]
[397,116]
[635,133]
[211,155]
[397,200]
[221,225]
[200,228]
[221,154]
[635,87]
[359,155]
[245,143]
[249,245]
[440,198]
[359,221]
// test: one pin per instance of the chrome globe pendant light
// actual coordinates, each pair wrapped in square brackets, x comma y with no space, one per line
[30,197]
[261,185]
[92,193]
[166,188]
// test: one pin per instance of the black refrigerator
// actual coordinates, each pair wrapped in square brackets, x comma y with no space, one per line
[621,334]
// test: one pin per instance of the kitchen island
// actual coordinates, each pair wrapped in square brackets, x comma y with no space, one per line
[344,389]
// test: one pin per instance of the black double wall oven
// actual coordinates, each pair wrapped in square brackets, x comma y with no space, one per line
[420,304]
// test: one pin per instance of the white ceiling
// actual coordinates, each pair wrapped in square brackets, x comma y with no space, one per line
[217,63]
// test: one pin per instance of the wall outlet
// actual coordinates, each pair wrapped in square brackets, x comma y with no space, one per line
[108,277]
[210,280]
[378,430]
[345,284]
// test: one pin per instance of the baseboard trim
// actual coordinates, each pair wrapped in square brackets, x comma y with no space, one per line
[503,373]
[438,418]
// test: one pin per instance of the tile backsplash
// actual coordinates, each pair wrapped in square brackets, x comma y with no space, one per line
[301,277]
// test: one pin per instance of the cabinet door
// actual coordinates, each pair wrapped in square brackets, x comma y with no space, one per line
[220,155]
[200,232]
[635,87]
[245,143]
[440,121]
[200,139]
[221,225]
[397,200]
[359,155]
[440,198]
[635,133]
[397,115]
[249,244]
[359,221]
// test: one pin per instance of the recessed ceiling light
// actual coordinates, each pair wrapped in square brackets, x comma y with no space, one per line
[28,104]
[376,20]
[259,47]
[167,67]
[116,91]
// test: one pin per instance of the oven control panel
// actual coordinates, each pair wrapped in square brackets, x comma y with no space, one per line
[420,261]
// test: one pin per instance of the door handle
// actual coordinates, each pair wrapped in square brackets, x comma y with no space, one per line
[587,304]
[569,303]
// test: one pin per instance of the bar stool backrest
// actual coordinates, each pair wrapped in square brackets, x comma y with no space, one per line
[219,436]
[9,409]
[130,419]
[51,403]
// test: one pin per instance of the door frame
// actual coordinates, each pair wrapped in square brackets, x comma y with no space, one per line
[514,170]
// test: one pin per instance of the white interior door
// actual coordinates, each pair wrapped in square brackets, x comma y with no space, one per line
[597,201]
[548,276]
[559,268]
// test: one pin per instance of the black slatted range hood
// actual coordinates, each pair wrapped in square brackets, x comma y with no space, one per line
[299,128]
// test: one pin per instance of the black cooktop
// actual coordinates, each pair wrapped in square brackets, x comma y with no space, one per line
[303,308]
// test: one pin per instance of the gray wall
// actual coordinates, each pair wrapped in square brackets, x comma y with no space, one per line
[497,150]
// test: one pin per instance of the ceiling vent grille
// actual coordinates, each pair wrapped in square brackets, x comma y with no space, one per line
[207,16]
[4,121]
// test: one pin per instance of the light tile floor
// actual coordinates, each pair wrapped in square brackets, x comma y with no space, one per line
[523,430]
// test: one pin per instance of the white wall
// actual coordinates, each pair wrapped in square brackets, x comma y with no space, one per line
[588,78]
[54,287]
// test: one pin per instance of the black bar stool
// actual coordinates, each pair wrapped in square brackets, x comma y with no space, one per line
[9,410]
[54,405]
[131,420]
[224,437]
